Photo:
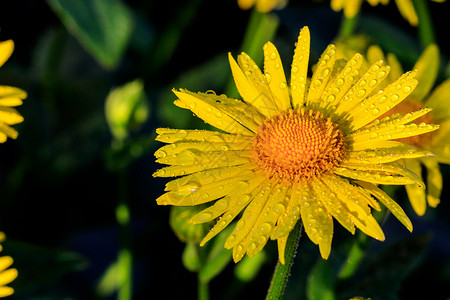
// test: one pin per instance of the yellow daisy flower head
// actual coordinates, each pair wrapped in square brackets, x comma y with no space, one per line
[437,142]
[9,97]
[263,6]
[352,7]
[6,275]
[306,151]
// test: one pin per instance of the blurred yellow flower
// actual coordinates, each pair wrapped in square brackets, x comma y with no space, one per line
[263,6]
[352,7]
[438,142]
[9,97]
[6,275]
[311,152]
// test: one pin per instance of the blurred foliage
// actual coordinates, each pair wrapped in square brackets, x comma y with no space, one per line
[58,181]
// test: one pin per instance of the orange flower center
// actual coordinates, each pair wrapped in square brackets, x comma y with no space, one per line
[298,146]
[406,106]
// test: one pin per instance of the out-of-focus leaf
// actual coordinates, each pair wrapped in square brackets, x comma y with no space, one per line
[39,266]
[381,275]
[108,282]
[126,108]
[320,285]
[103,27]
[186,231]
[191,258]
[218,257]
[247,269]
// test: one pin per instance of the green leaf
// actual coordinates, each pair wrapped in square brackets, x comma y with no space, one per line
[126,108]
[103,27]
[247,269]
[321,282]
[218,257]
[191,257]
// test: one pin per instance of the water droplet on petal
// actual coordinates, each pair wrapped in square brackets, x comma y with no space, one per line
[160,154]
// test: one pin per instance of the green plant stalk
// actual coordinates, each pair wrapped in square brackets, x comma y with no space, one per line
[355,256]
[425,26]
[125,257]
[260,29]
[202,289]
[348,26]
[282,271]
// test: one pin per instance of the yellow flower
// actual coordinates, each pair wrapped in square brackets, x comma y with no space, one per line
[6,275]
[9,97]
[351,8]
[436,142]
[263,6]
[312,151]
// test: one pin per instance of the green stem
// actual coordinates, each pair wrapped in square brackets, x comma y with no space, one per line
[425,26]
[125,257]
[260,29]
[348,26]
[355,256]
[282,271]
[203,289]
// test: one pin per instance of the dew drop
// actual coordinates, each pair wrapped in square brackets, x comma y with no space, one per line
[209,109]
[339,82]
[294,69]
[186,157]
[381,74]
[266,227]
[205,217]
[407,89]
[283,85]
[219,114]
[373,82]
[161,154]
[273,55]
[268,77]
[182,134]
[394,97]
[375,111]
[325,72]
[278,208]
[361,93]
[222,204]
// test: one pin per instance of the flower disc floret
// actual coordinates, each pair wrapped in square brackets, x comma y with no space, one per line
[298,146]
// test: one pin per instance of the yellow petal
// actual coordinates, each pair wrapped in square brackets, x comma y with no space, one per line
[169,135]
[6,291]
[8,276]
[339,86]
[299,69]
[10,116]
[208,176]
[281,242]
[317,222]
[369,81]
[376,105]
[267,219]
[374,54]
[203,105]
[201,146]
[273,69]
[388,173]
[7,131]
[11,92]
[6,49]
[248,219]
[5,262]
[288,219]
[194,193]
[321,75]
[406,8]
[439,100]
[416,195]
[390,204]
[357,206]
[250,93]
[333,204]
[239,201]
[434,181]
[385,155]
[427,67]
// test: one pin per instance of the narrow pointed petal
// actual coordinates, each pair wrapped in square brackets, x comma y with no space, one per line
[275,76]
[427,67]
[321,75]
[281,242]
[390,204]
[250,93]
[299,69]
[376,105]
[238,202]
[434,181]
[317,222]
[169,135]
[205,107]
[6,49]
